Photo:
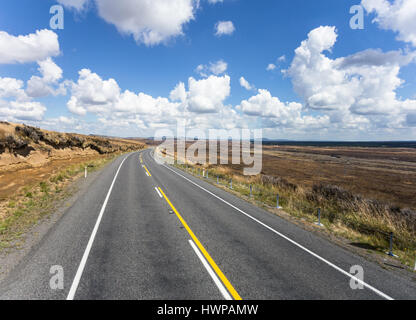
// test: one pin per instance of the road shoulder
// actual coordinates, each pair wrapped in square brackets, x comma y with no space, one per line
[33,237]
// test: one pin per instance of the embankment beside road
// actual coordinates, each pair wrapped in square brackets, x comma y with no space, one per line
[38,166]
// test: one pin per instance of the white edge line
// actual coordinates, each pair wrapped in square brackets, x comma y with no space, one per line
[214,277]
[158,192]
[83,262]
[147,174]
[385,296]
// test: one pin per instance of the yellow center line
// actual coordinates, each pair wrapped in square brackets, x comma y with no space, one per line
[147,171]
[214,266]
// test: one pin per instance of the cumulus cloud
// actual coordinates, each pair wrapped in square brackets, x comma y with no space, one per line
[149,22]
[92,93]
[179,93]
[47,84]
[49,70]
[208,95]
[201,103]
[265,105]
[245,84]
[142,104]
[29,48]
[396,15]
[22,110]
[356,90]
[15,104]
[12,88]
[218,67]
[224,28]
[274,112]
[200,106]
[215,68]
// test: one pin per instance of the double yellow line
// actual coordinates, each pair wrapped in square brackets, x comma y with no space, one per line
[207,256]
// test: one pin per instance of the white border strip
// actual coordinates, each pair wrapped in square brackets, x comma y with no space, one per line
[214,277]
[378,292]
[83,262]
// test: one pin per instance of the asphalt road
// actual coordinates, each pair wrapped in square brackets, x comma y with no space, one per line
[149,231]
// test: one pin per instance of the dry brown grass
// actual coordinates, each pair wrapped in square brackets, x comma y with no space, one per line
[36,166]
[35,201]
[363,201]
[29,155]
[384,174]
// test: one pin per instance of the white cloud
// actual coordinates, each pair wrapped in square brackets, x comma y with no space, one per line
[271,67]
[355,91]
[92,94]
[245,84]
[208,95]
[33,47]
[12,88]
[215,1]
[224,28]
[142,104]
[215,68]
[15,102]
[275,113]
[67,121]
[74,4]
[218,67]
[45,85]
[21,110]
[37,87]
[264,105]
[396,15]
[49,70]
[75,107]
[201,104]
[179,93]
[150,22]
[15,105]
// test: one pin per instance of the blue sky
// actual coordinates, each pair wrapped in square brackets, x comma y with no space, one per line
[291,104]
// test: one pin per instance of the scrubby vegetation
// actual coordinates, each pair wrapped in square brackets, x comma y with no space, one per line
[38,201]
[363,221]
[36,168]
[24,139]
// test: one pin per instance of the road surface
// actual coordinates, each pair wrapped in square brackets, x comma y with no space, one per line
[149,231]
